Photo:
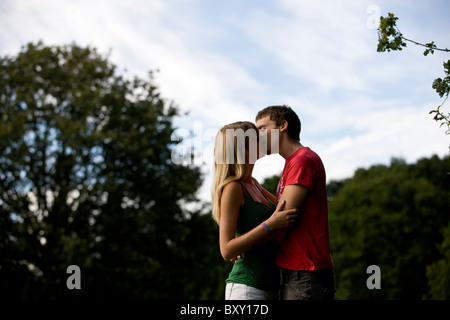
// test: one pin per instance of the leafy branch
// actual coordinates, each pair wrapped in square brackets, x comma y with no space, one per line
[390,38]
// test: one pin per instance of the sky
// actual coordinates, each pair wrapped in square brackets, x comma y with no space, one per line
[223,61]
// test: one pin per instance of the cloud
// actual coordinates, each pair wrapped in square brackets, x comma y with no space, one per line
[317,42]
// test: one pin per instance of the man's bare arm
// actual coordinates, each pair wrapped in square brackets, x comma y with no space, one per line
[294,195]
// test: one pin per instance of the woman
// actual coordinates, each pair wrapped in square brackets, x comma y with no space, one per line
[246,214]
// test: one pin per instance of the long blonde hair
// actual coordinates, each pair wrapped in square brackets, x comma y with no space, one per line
[229,166]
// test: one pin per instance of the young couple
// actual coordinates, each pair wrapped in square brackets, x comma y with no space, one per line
[262,233]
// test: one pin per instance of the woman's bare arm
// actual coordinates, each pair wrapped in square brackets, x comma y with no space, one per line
[231,202]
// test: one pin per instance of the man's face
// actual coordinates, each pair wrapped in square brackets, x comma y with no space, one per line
[268,130]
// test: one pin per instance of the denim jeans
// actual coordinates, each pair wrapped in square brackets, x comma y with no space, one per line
[308,285]
[237,291]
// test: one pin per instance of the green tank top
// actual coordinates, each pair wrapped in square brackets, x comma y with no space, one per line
[257,266]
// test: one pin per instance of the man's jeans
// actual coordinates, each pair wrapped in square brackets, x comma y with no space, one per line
[308,285]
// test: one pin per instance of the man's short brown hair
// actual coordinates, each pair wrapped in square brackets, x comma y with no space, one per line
[280,114]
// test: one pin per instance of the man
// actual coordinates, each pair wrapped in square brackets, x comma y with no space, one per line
[304,250]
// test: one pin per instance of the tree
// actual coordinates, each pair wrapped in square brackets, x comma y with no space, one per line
[390,38]
[392,217]
[438,273]
[86,179]
[271,183]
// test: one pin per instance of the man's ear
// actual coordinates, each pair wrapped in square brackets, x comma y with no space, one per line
[284,126]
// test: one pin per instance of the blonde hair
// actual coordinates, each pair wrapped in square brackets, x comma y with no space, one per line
[229,166]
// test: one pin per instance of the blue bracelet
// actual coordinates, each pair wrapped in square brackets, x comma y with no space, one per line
[266,227]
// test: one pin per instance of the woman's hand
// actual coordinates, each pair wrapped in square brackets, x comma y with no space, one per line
[282,218]
[234,260]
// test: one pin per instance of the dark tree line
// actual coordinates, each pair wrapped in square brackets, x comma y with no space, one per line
[395,217]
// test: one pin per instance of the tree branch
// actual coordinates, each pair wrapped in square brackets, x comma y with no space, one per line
[428,45]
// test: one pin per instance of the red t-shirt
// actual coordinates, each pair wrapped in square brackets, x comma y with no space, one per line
[306,246]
